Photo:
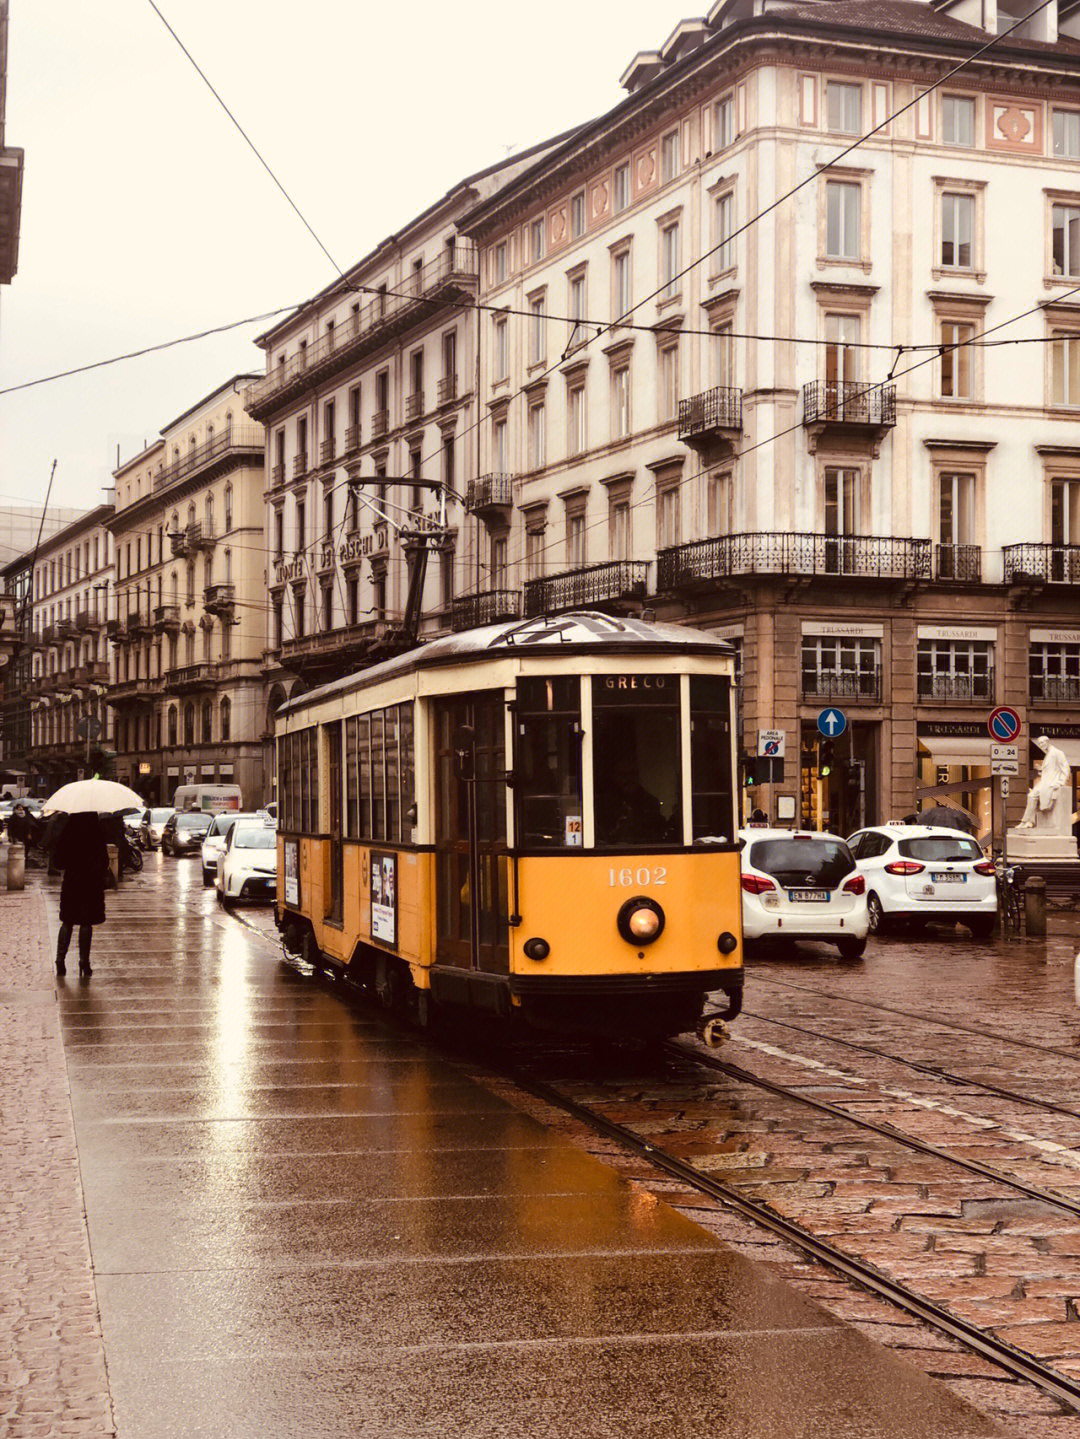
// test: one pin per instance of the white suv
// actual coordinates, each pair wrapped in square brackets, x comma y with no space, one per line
[802,885]
[920,872]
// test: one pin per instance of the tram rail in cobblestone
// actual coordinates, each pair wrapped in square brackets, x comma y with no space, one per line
[1012,1360]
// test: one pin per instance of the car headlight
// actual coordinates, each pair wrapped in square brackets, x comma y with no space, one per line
[641,920]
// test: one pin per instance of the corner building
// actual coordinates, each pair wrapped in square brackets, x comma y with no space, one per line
[892,531]
[190,620]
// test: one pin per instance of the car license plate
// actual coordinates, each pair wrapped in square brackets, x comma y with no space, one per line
[948,877]
[809,896]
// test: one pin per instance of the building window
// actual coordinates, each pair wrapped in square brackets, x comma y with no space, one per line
[228,513]
[668,516]
[724,212]
[172,725]
[1065,369]
[956,521]
[575,419]
[500,264]
[619,541]
[669,156]
[724,122]
[498,561]
[957,231]
[448,466]
[576,297]
[498,447]
[327,597]
[279,534]
[718,502]
[670,263]
[620,283]
[956,356]
[225,713]
[620,403]
[301,525]
[842,336]
[1065,521]
[1066,239]
[620,188]
[207,721]
[575,539]
[956,670]
[577,216]
[501,359]
[1054,672]
[1066,126]
[847,668]
[537,329]
[843,107]
[841,501]
[539,239]
[843,220]
[189,724]
[277,612]
[958,120]
[534,552]
[537,436]
[668,390]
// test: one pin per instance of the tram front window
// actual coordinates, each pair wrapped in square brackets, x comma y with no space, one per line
[636,760]
[547,763]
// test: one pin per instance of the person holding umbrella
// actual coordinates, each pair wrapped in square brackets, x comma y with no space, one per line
[81,851]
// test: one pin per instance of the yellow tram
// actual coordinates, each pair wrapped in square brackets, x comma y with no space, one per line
[535,818]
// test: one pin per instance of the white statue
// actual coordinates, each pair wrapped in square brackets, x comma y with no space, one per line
[1049,803]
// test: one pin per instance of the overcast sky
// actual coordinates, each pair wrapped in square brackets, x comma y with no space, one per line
[145,216]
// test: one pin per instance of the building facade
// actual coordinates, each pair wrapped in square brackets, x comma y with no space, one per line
[63,704]
[189,625]
[772,417]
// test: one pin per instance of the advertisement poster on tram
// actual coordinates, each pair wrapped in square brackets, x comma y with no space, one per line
[292,871]
[384,898]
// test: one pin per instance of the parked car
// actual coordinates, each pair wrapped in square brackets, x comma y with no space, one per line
[248,867]
[802,885]
[152,826]
[918,873]
[213,845]
[184,833]
[133,819]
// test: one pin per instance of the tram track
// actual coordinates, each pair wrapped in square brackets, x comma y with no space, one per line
[1016,1362]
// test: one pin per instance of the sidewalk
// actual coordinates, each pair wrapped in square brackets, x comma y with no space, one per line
[53,1379]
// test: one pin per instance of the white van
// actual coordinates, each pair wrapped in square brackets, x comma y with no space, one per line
[210,798]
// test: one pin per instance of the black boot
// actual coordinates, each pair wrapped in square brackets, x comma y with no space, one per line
[63,939]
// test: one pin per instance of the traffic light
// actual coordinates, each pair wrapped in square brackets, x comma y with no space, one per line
[825,758]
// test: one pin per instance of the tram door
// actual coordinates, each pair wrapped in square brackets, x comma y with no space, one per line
[470,834]
[335,889]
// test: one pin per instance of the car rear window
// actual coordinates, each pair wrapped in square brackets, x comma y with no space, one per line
[192,821]
[940,847]
[159,816]
[803,862]
[263,838]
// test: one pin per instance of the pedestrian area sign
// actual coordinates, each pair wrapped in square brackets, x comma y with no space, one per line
[831,723]
[771,743]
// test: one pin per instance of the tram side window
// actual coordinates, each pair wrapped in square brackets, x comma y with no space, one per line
[379,781]
[547,763]
[284,772]
[298,781]
[636,760]
[710,757]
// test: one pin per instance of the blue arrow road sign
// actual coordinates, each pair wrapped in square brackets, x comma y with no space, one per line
[832,722]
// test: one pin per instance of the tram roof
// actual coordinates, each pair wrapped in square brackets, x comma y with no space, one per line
[583,632]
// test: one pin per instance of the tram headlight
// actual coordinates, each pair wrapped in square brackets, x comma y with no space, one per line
[641,920]
[537,949]
[727,943]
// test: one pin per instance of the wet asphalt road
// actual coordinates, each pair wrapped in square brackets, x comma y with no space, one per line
[303,1221]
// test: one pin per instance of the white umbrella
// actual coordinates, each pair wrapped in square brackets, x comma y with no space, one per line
[92,796]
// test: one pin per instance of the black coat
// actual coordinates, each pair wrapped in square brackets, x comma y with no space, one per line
[81,852]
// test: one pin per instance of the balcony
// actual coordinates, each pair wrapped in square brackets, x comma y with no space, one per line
[469,612]
[95,672]
[414,405]
[134,689]
[956,689]
[380,424]
[1054,689]
[859,556]
[219,599]
[352,440]
[299,465]
[615,583]
[229,446]
[114,630]
[493,495]
[849,403]
[327,452]
[1042,564]
[136,625]
[190,677]
[65,630]
[450,276]
[166,619]
[958,562]
[832,685]
[448,389]
[330,654]
[50,635]
[87,621]
[714,414]
[277,476]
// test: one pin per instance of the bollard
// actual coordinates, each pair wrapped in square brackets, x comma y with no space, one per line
[114,867]
[16,866]
[1035,907]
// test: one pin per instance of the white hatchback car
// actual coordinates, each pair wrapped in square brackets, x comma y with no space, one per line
[921,873]
[248,867]
[213,846]
[802,885]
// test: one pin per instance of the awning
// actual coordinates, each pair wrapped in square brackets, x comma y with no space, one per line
[958,749]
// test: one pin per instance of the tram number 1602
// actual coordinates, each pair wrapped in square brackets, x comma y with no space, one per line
[628,878]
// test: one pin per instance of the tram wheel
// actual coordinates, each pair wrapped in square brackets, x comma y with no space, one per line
[311,953]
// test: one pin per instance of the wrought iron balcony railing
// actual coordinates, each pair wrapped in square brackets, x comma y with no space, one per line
[448,389]
[299,465]
[352,440]
[232,441]
[448,275]
[414,405]
[713,412]
[590,585]
[277,476]
[87,620]
[469,612]
[1048,564]
[860,556]
[842,685]
[957,688]
[1054,689]
[327,451]
[380,424]
[490,492]
[958,562]
[849,402]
